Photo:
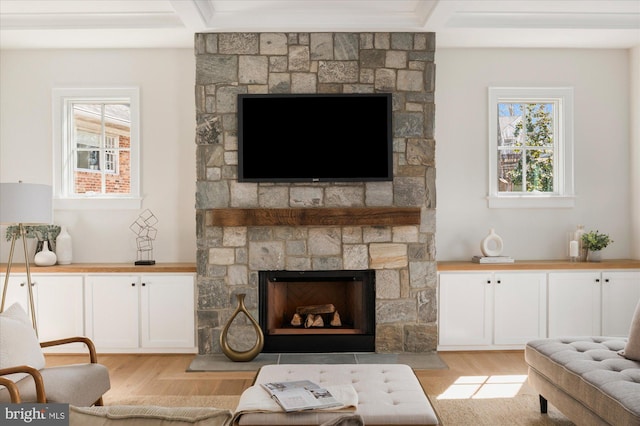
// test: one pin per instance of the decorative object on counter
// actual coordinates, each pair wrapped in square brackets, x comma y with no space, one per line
[594,242]
[241,356]
[24,203]
[45,257]
[574,250]
[64,250]
[144,228]
[492,244]
[582,250]
[492,259]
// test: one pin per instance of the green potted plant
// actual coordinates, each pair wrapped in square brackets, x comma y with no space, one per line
[594,242]
[40,232]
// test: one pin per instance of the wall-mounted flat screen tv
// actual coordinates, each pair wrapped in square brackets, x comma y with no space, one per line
[315,137]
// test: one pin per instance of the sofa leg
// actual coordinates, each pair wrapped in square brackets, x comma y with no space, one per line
[543,404]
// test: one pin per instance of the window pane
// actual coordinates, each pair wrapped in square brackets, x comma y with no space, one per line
[539,170]
[527,125]
[510,170]
[102,145]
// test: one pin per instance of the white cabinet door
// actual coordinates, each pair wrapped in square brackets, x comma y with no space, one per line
[17,292]
[167,311]
[574,304]
[60,307]
[520,305]
[620,295]
[465,307]
[112,314]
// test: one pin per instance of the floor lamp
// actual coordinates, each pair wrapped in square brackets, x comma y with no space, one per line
[24,204]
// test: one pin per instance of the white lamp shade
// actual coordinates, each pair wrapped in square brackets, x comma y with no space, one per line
[27,203]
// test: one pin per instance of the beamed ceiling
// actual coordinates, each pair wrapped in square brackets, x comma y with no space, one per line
[172,23]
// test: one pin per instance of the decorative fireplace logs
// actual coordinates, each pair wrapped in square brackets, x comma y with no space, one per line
[314,317]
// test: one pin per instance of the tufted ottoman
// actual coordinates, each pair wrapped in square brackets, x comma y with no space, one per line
[388,394]
[586,379]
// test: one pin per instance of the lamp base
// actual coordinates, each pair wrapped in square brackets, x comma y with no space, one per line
[144,262]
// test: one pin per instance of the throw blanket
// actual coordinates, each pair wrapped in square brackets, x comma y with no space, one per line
[257,400]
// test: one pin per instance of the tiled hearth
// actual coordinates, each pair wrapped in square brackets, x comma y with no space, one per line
[401,253]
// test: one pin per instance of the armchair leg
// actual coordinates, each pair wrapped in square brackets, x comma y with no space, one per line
[543,404]
[13,390]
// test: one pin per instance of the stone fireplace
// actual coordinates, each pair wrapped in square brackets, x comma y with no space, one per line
[386,227]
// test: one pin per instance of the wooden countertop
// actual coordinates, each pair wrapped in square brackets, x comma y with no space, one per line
[543,265]
[103,267]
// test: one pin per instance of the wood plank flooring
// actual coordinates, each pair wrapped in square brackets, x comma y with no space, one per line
[166,375]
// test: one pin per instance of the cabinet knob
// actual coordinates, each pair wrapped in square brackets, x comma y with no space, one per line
[144,284]
[488,281]
[22,284]
[499,281]
[606,280]
[597,280]
[133,284]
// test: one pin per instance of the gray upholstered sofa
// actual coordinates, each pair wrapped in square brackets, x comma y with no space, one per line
[586,378]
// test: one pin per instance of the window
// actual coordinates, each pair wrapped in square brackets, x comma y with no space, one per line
[530,147]
[96,148]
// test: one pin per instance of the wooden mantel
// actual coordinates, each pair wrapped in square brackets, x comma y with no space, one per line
[344,216]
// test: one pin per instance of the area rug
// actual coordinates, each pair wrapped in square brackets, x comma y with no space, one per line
[219,362]
[522,410]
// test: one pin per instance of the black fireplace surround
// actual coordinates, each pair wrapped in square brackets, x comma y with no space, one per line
[352,292]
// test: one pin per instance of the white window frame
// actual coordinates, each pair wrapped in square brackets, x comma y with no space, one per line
[63,160]
[563,194]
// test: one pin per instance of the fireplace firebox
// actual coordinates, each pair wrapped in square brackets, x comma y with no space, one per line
[317,311]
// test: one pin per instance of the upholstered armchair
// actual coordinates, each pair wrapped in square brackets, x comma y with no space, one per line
[24,377]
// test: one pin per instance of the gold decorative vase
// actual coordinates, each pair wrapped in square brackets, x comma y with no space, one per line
[241,356]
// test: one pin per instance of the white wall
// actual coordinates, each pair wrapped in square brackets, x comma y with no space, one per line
[634,68]
[601,79]
[601,82]
[166,81]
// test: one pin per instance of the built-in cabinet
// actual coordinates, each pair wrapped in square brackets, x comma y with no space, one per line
[503,309]
[58,301]
[140,312]
[120,312]
[487,309]
[592,303]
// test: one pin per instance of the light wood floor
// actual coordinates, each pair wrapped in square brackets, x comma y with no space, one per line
[165,375]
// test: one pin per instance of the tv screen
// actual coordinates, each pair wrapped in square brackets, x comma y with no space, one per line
[314,137]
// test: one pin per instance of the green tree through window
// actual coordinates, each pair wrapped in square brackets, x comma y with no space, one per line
[525,147]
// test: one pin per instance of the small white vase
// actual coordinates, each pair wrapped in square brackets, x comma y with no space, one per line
[64,251]
[491,245]
[45,257]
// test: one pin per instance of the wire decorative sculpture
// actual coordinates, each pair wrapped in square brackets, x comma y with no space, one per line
[144,228]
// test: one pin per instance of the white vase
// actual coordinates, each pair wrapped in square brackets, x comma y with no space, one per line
[45,257]
[594,256]
[491,245]
[64,251]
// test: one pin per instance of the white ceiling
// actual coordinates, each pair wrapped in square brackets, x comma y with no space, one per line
[172,23]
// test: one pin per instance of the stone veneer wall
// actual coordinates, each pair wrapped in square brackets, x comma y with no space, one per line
[229,258]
